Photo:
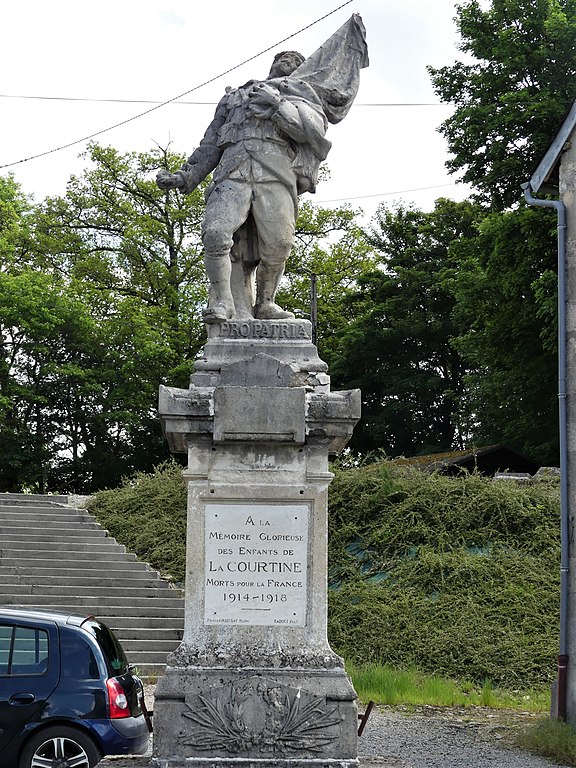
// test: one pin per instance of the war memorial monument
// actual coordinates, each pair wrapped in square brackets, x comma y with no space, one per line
[254,681]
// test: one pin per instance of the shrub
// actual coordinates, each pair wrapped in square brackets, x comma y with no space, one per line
[456,576]
[148,515]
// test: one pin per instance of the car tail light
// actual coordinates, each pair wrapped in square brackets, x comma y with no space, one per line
[118,703]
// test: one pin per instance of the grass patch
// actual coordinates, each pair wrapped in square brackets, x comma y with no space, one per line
[550,738]
[385,685]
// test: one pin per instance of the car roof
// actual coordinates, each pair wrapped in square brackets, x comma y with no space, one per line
[38,615]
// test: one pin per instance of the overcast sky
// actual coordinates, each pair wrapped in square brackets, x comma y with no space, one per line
[76,53]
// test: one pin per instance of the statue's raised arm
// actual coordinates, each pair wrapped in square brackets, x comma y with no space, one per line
[264,147]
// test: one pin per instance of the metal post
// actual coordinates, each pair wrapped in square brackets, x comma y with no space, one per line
[563,658]
[313,307]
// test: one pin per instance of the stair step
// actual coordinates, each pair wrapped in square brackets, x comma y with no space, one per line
[143,623]
[43,559]
[95,589]
[9,522]
[149,646]
[149,657]
[120,606]
[126,635]
[23,499]
[58,558]
[106,545]
[15,534]
[45,514]
[73,574]
[108,580]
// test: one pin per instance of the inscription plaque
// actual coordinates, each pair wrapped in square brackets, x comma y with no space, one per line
[256,563]
[263,329]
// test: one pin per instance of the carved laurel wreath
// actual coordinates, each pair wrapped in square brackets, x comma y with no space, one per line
[286,722]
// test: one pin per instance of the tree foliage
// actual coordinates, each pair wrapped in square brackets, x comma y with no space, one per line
[506,311]
[15,210]
[510,96]
[117,230]
[38,325]
[397,346]
[510,100]
[101,293]
[100,296]
[332,249]
[452,339]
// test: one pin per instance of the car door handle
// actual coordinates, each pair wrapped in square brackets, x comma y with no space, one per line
[22,698]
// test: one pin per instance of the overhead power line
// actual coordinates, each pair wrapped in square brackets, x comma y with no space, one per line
[205,103]
[175,98]
[385,194]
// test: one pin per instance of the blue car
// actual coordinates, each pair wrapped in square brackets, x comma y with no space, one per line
[67,695]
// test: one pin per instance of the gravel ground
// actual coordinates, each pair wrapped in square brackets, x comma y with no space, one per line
[426,737]
[433,737]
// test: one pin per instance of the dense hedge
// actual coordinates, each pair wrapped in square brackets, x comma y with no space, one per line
[455,575]
[452,575]
[148,515]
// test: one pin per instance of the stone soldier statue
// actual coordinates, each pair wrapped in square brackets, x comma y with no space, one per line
[264,147]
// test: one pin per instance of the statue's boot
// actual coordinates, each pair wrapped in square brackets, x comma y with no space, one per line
[267,281]
[221,303]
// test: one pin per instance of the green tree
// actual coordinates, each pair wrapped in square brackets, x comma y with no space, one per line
[117,230]
[20,447]
[40,325]
[76,411]
[109,283]
[132,253]
[331,249]
[106,401]
[506,314]
[100,303]
[398,346]
[15,211]
[510,101]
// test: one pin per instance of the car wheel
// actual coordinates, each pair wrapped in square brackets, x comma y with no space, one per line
[61,747]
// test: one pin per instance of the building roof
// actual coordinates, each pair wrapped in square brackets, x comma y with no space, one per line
[486,460]
[545,176]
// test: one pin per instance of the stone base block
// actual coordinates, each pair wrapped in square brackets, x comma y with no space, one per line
[268,718]
[240,762]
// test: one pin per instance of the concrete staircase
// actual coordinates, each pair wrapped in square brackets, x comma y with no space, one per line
[56,557]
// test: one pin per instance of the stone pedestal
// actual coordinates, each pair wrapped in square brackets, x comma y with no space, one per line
[254,682]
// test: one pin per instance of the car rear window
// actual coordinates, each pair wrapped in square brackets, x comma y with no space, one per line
[23,650]
[111,648]
[78,660]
